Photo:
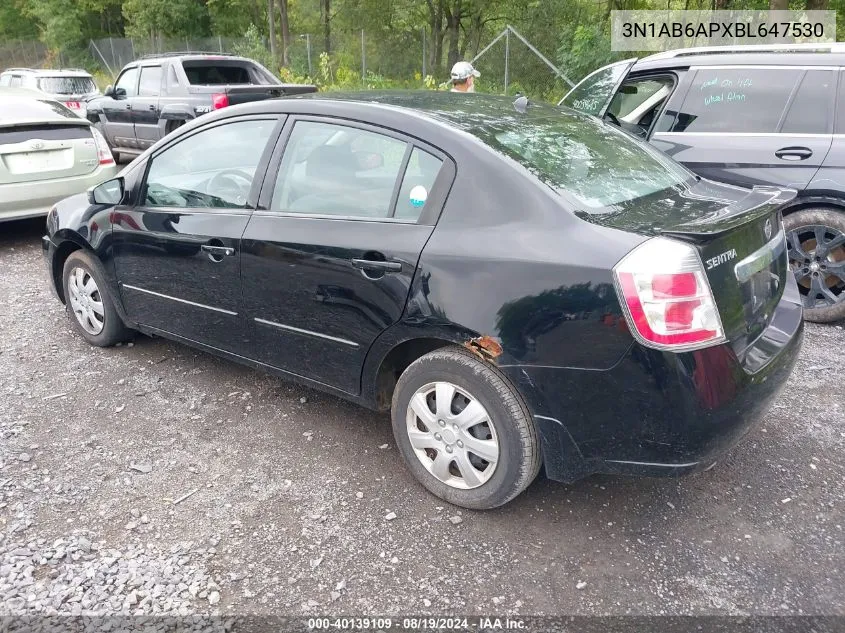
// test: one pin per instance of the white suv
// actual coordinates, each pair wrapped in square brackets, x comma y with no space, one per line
[71,86]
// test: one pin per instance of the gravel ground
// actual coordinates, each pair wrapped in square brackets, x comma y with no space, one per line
[153,479]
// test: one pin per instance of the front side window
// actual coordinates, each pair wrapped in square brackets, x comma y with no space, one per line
[150,81]
[128,82]
[330,169]
[213,168]
[737,99]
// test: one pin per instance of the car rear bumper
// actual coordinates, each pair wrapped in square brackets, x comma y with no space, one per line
[31,199]
[658,413]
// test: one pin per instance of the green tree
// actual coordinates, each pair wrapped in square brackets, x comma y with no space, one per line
[166,18]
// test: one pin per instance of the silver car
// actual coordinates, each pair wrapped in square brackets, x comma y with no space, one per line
[46,153]
[70,86]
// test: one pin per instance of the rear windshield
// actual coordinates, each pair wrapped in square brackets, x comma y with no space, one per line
[212,73]
[595,163]
[67,85]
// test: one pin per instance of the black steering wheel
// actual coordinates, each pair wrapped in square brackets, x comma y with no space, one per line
[231,185]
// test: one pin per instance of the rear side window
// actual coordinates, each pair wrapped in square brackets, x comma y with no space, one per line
[810,110]
[214,73]
[736,100]
[633,94]
[330,169]
[5,80]
[21,133]
[417,182]
[150,81]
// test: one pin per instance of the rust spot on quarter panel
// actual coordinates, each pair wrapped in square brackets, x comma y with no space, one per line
[485,347]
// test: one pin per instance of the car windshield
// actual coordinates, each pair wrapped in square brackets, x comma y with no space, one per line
[593,162]
[67,85]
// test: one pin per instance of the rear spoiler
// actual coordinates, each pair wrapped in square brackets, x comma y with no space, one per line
[759,202]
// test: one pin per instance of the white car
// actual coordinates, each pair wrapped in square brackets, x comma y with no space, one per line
[70,86]
[47,153]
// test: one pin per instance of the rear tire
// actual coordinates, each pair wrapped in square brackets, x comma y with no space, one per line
[89,303]
[820,272]
[464,410]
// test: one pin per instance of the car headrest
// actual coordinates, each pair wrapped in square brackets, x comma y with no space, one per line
[331,162]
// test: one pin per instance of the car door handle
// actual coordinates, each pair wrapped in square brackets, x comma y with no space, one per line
[375,264]
[794,153]
[128,106]
[152,107]
[217,253]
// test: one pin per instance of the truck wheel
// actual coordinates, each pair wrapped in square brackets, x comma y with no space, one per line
[816,241]
[463,430]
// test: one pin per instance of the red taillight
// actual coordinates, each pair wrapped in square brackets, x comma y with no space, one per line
[103,152]
[219,100]
[667,298]
[668,286]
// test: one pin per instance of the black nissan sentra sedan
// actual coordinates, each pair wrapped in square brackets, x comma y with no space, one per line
[519,286]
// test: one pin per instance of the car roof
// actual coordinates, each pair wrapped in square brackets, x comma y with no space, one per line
[185,56]
[460,110]
[756,54]
[20,106]
[52,72]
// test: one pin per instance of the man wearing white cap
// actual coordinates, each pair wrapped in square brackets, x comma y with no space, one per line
[463,77]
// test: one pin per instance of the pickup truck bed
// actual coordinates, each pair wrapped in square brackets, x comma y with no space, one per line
[155,95]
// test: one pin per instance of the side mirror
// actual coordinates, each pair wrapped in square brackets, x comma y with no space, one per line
[368,160]
[119,93]
[109,192]
[109,92]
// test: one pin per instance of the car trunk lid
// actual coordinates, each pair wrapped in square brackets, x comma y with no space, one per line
[739,237]
[45,151]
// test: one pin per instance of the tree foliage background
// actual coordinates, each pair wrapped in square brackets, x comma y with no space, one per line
[575,34]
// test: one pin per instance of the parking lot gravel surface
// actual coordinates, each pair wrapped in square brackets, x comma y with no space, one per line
[151,478]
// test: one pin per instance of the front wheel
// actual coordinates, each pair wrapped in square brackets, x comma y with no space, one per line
[816,240]
[463,430]
[89,304]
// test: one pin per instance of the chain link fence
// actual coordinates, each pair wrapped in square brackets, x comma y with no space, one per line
[347,59]
[113,53]
[24,54]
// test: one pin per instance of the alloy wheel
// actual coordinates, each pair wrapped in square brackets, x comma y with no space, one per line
[86,301]
[817,257]
[452,435]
